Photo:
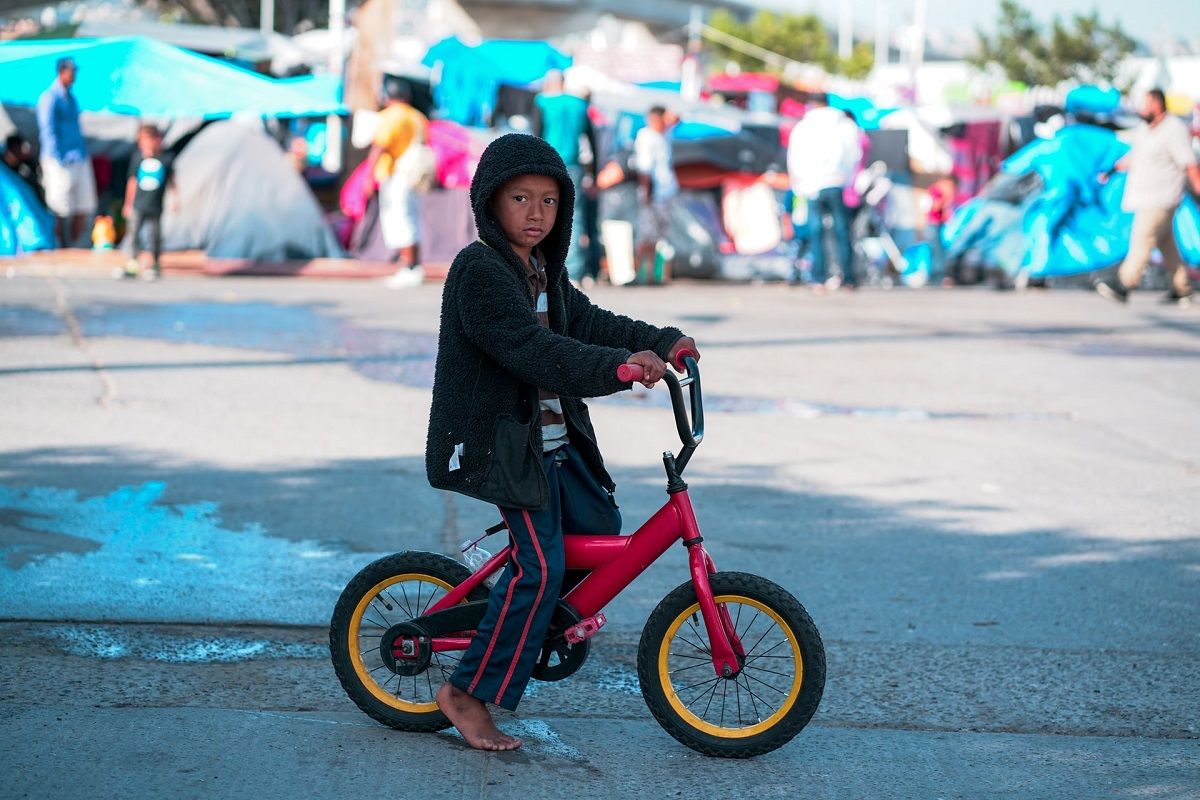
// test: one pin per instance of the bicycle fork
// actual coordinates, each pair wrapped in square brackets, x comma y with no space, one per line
[726,647]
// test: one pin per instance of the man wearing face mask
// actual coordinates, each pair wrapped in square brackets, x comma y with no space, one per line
[1157,164]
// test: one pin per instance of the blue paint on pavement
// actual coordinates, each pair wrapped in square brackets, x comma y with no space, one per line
[165,563]
[112,642]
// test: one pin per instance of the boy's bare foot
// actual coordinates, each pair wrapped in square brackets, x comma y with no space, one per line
[472,719]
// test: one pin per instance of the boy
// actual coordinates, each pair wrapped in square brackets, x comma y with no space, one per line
[518,345]
[149,171]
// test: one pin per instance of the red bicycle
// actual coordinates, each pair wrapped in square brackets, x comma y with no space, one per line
[730,664]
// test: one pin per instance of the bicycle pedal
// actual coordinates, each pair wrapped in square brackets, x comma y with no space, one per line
[585,628]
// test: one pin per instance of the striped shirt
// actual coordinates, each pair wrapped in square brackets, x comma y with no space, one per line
[554,425]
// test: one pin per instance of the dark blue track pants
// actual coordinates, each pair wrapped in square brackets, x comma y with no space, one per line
[497,665]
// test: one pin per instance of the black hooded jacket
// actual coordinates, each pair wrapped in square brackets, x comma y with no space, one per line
[485,435]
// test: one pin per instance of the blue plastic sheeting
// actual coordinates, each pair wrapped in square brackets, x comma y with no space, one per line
[866,114]
[1074,224]
[471,76]
[25,224]
[145,78]
[1093,99]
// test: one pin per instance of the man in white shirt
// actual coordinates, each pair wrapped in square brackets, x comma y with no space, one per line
[823,152]
[1158,163]
[657,187]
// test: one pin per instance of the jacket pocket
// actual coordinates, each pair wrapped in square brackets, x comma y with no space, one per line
[514,474]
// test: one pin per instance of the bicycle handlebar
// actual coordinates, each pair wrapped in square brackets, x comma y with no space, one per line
[635,373]
[691,432]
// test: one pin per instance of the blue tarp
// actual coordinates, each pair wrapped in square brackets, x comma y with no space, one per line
[25,224]
[1073,224]
[145,78]
[866,113]
[1093,99]
[471,76]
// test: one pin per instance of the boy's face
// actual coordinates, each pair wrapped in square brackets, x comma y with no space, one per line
[149,144]
[526,207]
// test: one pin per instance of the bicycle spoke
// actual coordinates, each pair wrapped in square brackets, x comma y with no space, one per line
[702,695]
[381,616]
[700,683]
[407,607]
[395,602]
[429,602]
[753,620]
[418,603]
[686,655]
[678,669]
[708,705]
[693,644]
[756,644]
[754,697]
[773,672]
[699,636]
[737,694]
[764,653]
[724,697]
[764,683]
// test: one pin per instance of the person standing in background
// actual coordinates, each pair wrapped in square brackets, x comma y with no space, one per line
[1157,165]
[823,152]
[657,188]
[67,176]
[400,132]
[145,188]
[562,120]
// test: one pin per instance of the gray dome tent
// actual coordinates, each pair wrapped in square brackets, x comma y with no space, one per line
[237,196]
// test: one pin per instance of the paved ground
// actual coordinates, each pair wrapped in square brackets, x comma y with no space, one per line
[986,501]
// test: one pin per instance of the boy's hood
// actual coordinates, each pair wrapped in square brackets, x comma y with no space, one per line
[521,154]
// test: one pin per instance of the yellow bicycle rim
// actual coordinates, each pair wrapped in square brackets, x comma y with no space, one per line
[364,676]
[690,717]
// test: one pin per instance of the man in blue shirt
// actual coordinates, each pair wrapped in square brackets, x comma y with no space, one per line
[562,119]
[66,170]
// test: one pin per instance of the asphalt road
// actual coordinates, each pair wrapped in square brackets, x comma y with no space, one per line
[987,502]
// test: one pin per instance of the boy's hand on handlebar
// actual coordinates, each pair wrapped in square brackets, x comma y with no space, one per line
[684,343]
[653,367]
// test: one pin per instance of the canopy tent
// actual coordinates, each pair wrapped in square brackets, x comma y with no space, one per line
[25,224]
[142,77]
[471,76]
[236,195]
[1046,214]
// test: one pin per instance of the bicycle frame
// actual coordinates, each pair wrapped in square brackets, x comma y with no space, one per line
[614,562]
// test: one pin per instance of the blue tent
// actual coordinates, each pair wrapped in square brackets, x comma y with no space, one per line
[1069,223]
[471,76]
[146,78]
[25,224]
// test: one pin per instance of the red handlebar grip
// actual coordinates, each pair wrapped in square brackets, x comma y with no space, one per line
[680,356]
[630,373]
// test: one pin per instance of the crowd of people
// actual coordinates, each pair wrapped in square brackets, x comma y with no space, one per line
[826,153]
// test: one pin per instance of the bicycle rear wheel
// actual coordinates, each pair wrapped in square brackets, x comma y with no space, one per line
[766,703]
[384,593]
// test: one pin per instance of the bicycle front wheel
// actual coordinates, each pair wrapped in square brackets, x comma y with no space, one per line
[766,703]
